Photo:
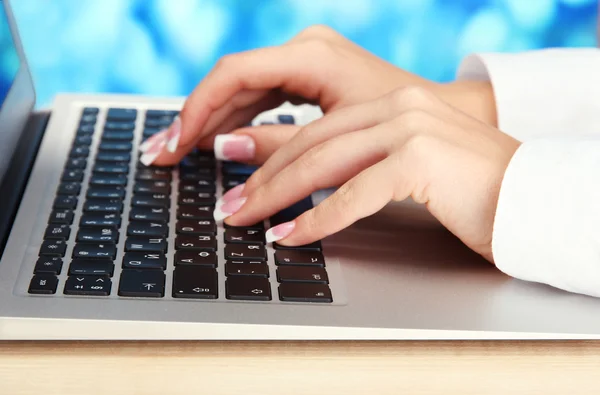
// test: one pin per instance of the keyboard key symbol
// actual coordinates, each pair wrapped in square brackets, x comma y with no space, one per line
[257,291]
[149,286]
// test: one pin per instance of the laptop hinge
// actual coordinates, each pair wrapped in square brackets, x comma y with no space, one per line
[19,169]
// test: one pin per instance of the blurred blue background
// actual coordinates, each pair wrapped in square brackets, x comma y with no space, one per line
[164,47]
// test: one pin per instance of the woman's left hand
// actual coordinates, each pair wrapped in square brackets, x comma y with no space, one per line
[415,146]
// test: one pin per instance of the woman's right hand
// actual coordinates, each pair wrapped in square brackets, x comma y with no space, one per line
[318,66]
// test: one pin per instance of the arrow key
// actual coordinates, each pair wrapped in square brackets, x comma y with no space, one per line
[248,288]
[88,285]
[195,282]
[142,283]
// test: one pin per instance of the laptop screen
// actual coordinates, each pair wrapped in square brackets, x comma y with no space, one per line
[9,59]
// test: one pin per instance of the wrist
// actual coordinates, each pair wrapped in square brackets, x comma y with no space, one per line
[475,98]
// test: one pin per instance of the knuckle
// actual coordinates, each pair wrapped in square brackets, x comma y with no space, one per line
[317,31]
[410,97]
[227,62]
[415,147]
[318,48]
[414,120]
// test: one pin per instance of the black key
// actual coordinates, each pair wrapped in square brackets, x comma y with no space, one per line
[115,146]
[305,292]
[314,246]
[83,139]
[98,219]
[117,136]
[91,267]
[244,236]
[196,258]
[290,257]
[196,198]
[113,157]
[76,163]
[44,284]
[196,243]
[90,110]
[69,188]
[72,175]
[148,229]
[95,251]
[142,283]
[155,200]
[161,113]
[197,185]
[247,288]
[229,183]
[246,269]
[108,180]
[290,213]
[196,227]
[144,187]
[88,119]
[286,119]
[191,163]
[195,282]
[146,244]
[103,206]
[245,252]
[106,168]
[158,122]
[79,151]
[302,274]
[197,174]
[53,248]
[61,217]
[121,114]
[65,202]
[48,264]
[258,225]
[98,235]
[195,212]
[88,286]
[149,214]
[86,129]
[238,169]
[153,175]
[59,232]
[105,193]
[119,126]
[140,260]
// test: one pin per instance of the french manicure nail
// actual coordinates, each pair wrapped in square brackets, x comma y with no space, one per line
[280,231]
[174,135]
[227,209]
[234,147]
[233,193]
[152,153]
[146,145]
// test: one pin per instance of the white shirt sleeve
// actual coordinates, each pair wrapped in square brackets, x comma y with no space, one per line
[547,225]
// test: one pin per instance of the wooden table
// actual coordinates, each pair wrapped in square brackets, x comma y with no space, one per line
[169,368]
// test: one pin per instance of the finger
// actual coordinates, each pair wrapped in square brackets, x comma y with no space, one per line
[287,67]
[330,164]
[253,145]
[363,195]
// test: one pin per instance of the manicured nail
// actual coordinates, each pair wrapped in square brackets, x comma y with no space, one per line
[152,153]
[233,147]
[146,145]
[174,135]
[280,231]
[230,195]
[228,209]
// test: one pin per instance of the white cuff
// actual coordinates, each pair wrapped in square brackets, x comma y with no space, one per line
[542,93]
[547,225]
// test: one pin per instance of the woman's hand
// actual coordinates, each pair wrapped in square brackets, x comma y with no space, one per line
[318,66]
[407,143]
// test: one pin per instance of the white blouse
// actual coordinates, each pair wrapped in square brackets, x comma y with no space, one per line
[547,225]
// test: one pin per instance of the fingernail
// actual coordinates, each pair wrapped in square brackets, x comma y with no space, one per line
[152,153]
[228,209]
[149,143]
[232,147]
[230,195]
[174,135]
[280,231]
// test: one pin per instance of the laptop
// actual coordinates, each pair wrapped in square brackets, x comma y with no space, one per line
[97,246]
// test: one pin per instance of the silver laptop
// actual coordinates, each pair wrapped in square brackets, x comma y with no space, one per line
[97,246]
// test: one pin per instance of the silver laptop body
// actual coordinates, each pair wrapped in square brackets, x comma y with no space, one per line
[395,275]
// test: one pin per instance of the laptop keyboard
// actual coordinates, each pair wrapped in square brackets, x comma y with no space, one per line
[299,273]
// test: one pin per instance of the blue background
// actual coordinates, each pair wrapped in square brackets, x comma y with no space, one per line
[164,47]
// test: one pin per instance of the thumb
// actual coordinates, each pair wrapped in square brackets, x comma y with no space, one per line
[253,145]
